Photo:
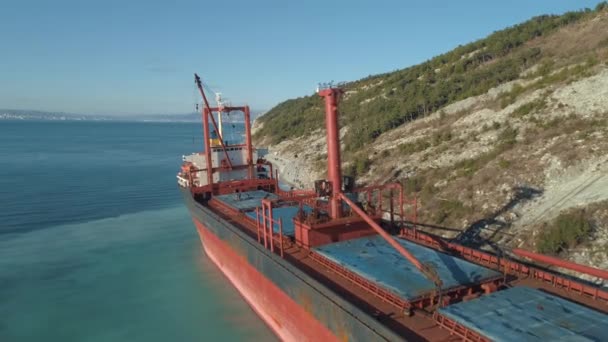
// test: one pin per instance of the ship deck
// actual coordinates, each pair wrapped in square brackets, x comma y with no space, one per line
[247,200]
[418,327]
[392,272]
[374,259]
[525,314]
[286,215]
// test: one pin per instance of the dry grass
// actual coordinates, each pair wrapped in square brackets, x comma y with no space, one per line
[570,41]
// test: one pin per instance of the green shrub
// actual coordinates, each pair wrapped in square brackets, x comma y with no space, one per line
[358,167]
[529,107]
[468,167]
[349,170]
[545,68]
[379,103]
[362,165]
[453,209]
[442,136]
[413,184]
[415,146]
[508,137]
[566,230]
[510,96]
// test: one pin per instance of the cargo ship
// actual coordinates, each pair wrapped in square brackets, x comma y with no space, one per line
[348,263]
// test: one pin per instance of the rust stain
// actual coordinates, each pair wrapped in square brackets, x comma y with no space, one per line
[305,302]
[342,333]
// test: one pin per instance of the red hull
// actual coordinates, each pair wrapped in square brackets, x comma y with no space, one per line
[288,320]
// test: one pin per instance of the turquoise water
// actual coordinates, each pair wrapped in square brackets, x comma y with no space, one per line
[95,244]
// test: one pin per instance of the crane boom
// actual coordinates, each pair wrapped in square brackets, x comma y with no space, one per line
[199,85]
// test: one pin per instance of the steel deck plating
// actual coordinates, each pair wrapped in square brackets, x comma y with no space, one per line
[374,259]
[247,200]
[286,214]
[526,314]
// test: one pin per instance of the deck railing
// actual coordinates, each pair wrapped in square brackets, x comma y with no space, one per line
[265,224]
[507,266]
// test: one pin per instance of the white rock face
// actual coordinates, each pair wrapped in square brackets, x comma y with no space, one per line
[578,186]
[586,97]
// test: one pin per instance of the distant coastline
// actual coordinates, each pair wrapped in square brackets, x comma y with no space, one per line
[34,115]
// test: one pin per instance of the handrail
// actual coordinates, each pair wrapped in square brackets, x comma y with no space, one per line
[596,272]
[516,268]
[267,227]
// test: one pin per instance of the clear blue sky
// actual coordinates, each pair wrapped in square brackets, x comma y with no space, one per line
[135,56]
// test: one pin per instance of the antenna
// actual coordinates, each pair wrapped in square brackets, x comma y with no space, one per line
[218,100]
[328,85]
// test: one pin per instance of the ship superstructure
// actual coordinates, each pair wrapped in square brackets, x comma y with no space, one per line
[341,262]
[236,166]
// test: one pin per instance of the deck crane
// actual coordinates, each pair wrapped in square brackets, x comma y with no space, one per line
[199,84]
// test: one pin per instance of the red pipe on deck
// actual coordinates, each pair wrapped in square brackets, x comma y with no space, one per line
[428,272]
[334,174]
[409,256]
[596,272]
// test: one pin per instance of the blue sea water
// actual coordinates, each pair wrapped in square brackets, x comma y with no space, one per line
[95,244]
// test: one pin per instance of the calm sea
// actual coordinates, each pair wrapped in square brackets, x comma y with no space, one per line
[95,244]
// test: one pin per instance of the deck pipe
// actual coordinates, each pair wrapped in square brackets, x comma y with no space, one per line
[596,272]
[427,271]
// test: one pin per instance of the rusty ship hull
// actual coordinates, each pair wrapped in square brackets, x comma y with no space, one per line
[292,303]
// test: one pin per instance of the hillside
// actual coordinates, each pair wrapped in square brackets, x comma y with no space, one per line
[503,140]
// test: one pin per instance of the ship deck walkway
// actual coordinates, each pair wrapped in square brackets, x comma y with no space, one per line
[418,327]
[526,314]
[374,259]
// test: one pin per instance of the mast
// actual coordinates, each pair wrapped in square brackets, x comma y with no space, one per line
[334,174]
[207,137]
[220,105]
